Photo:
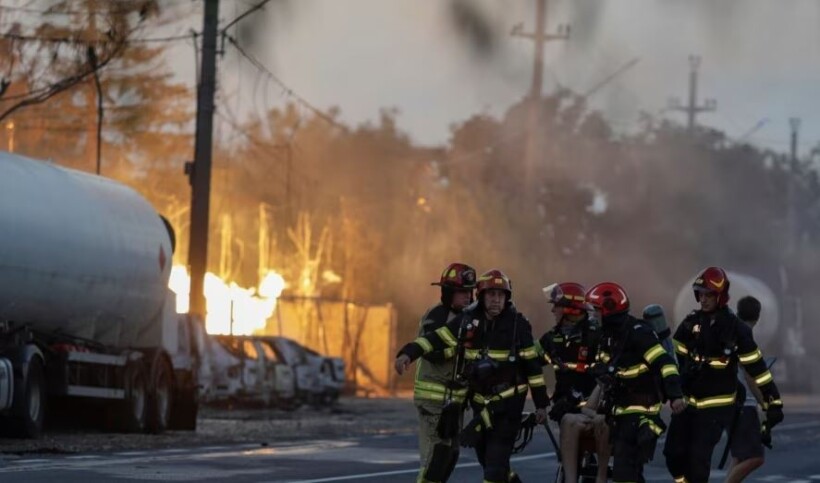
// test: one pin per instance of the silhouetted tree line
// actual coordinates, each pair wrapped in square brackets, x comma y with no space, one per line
[647,209]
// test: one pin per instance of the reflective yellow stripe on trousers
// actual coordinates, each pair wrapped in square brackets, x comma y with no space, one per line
[436,392]
[636,409]
[484,401]
[711,402]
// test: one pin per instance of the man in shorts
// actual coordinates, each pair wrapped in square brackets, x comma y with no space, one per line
[747,443]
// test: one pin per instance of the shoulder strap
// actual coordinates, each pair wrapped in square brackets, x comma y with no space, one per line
[591,335]
[438,315]
[623,341]
[459,355]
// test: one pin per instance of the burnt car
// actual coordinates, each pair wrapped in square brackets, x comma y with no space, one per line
[319,378]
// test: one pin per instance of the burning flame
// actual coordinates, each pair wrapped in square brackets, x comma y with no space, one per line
[248,308]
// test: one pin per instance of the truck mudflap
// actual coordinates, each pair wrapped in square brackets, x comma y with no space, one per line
[185,408]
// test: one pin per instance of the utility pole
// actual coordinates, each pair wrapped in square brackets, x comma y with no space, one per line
[693,109]
[540,37]
[200,170]
[791,218]
[10,130]
[92,96]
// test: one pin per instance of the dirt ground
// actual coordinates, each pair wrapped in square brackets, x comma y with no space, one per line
[348,418]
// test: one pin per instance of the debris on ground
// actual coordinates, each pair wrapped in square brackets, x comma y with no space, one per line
[349,417]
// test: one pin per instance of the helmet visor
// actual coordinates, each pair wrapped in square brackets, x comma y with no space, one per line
[553,293]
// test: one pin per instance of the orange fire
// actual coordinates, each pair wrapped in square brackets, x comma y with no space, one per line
[231,308]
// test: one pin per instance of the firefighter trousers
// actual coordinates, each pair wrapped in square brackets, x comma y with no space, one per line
[437,456]
[691,440]
[495,446]
[628,462]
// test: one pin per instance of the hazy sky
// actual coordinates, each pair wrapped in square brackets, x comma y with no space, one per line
[364,55]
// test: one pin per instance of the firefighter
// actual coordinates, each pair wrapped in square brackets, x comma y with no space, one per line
[570,348]
[434,376]
[636,375]
[500,364]
[709,343]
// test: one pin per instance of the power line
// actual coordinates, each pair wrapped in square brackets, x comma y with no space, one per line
[63,84]
[64,12]
[261,146]
[52,11]
[244,14]
[287,90]
[54,88]
[170,38]
[80,41]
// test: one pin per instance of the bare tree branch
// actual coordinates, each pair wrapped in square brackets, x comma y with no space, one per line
[43,94]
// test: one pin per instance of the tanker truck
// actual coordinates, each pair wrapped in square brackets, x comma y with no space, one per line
[86,316]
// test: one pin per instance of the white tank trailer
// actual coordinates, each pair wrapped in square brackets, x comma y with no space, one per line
[85,309]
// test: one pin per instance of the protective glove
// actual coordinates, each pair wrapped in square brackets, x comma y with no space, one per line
[471,434]
[774,415]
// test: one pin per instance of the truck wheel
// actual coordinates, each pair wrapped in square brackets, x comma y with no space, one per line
[133,413]
[28,410]
[160,395]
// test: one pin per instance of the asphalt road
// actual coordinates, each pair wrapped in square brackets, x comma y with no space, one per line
[389,458]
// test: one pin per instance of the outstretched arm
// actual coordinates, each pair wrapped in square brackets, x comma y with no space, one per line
[444,337]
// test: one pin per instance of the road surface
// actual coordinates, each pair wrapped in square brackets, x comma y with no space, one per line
[388,458]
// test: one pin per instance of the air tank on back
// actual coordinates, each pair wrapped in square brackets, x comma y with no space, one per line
[80,254]
[740,286]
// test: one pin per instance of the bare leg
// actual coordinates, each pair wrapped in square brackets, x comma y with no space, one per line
[602,447]
[571,427]
[742,469]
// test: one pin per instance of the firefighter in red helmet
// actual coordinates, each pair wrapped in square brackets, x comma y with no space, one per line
[499,366]
[636,375]
[710,343]
[570,348]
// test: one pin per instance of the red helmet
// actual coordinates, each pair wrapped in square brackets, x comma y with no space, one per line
[608,297]
[569,296]
[457,276]
[713,279]
[494,279]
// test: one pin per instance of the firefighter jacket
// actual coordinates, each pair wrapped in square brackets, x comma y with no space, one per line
[709,347]
[434,371]
[639,373]
[571,350]
[499,356]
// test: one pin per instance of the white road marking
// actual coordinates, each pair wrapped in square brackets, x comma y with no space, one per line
[414,470]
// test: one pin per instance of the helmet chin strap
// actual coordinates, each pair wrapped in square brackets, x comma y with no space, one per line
[447,296]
